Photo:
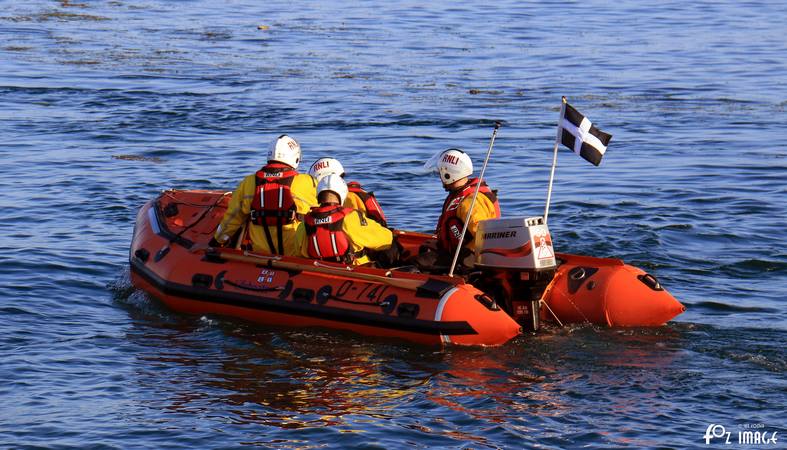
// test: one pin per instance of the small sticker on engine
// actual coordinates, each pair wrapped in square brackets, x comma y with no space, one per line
[544,251]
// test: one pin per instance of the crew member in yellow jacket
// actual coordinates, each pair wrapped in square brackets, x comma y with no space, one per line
[332,232]
[455,168]
[357,197]
[271,202]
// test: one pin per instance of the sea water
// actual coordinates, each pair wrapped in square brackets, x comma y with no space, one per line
[103,104]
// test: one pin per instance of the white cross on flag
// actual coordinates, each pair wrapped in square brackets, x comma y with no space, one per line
[580,135]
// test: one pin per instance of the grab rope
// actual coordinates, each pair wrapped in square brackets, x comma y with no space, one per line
[579,311]
[181,202]
[202,216]
[543,302]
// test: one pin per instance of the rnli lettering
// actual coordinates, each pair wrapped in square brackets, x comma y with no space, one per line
[455,231]
[273,174]
[322,220]
[451,159]
[500,235]
[321,165]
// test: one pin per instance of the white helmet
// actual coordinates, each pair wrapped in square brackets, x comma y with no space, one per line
[285,150]
[333,183]
[324,167]
[453,165]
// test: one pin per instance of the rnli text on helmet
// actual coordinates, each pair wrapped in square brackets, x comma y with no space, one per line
[451,159]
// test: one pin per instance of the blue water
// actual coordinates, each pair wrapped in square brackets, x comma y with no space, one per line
[104,104]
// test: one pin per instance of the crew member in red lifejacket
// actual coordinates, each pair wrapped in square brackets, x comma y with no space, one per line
[271,202]
[332,232]
[357,197]
[455,168]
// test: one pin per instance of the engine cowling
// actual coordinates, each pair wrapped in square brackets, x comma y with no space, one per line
[518,243]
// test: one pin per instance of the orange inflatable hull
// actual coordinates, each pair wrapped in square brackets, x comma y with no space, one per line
[296,292]
[421,308]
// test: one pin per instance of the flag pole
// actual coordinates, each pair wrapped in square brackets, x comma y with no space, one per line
[554,157]
[472,204]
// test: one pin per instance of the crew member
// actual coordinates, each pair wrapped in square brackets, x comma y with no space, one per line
[455,168]
[332,232]
[357,197]
[271,203]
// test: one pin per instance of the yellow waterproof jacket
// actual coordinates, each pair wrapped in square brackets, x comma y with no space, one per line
[484,209]
[304,194]
[363,233]
[359,199]
[354,201]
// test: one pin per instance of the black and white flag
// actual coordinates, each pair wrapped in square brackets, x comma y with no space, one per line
[581,136]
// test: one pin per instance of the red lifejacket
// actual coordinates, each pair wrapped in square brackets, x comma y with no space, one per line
[373,209]
[326,239]
[449,226]
[273,204]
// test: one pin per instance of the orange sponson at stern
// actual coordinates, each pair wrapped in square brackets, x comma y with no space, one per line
[298,292]
[606,291]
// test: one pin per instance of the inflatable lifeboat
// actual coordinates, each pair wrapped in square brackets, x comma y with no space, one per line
[512,288]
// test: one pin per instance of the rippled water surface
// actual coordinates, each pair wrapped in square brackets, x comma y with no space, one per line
[104,104]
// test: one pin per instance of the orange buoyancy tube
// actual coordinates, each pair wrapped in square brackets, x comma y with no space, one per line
[606,291]
[373,209]
[273,204]
[449,226]
[326,238]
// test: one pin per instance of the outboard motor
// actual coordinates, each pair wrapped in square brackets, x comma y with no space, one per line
[516,262]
